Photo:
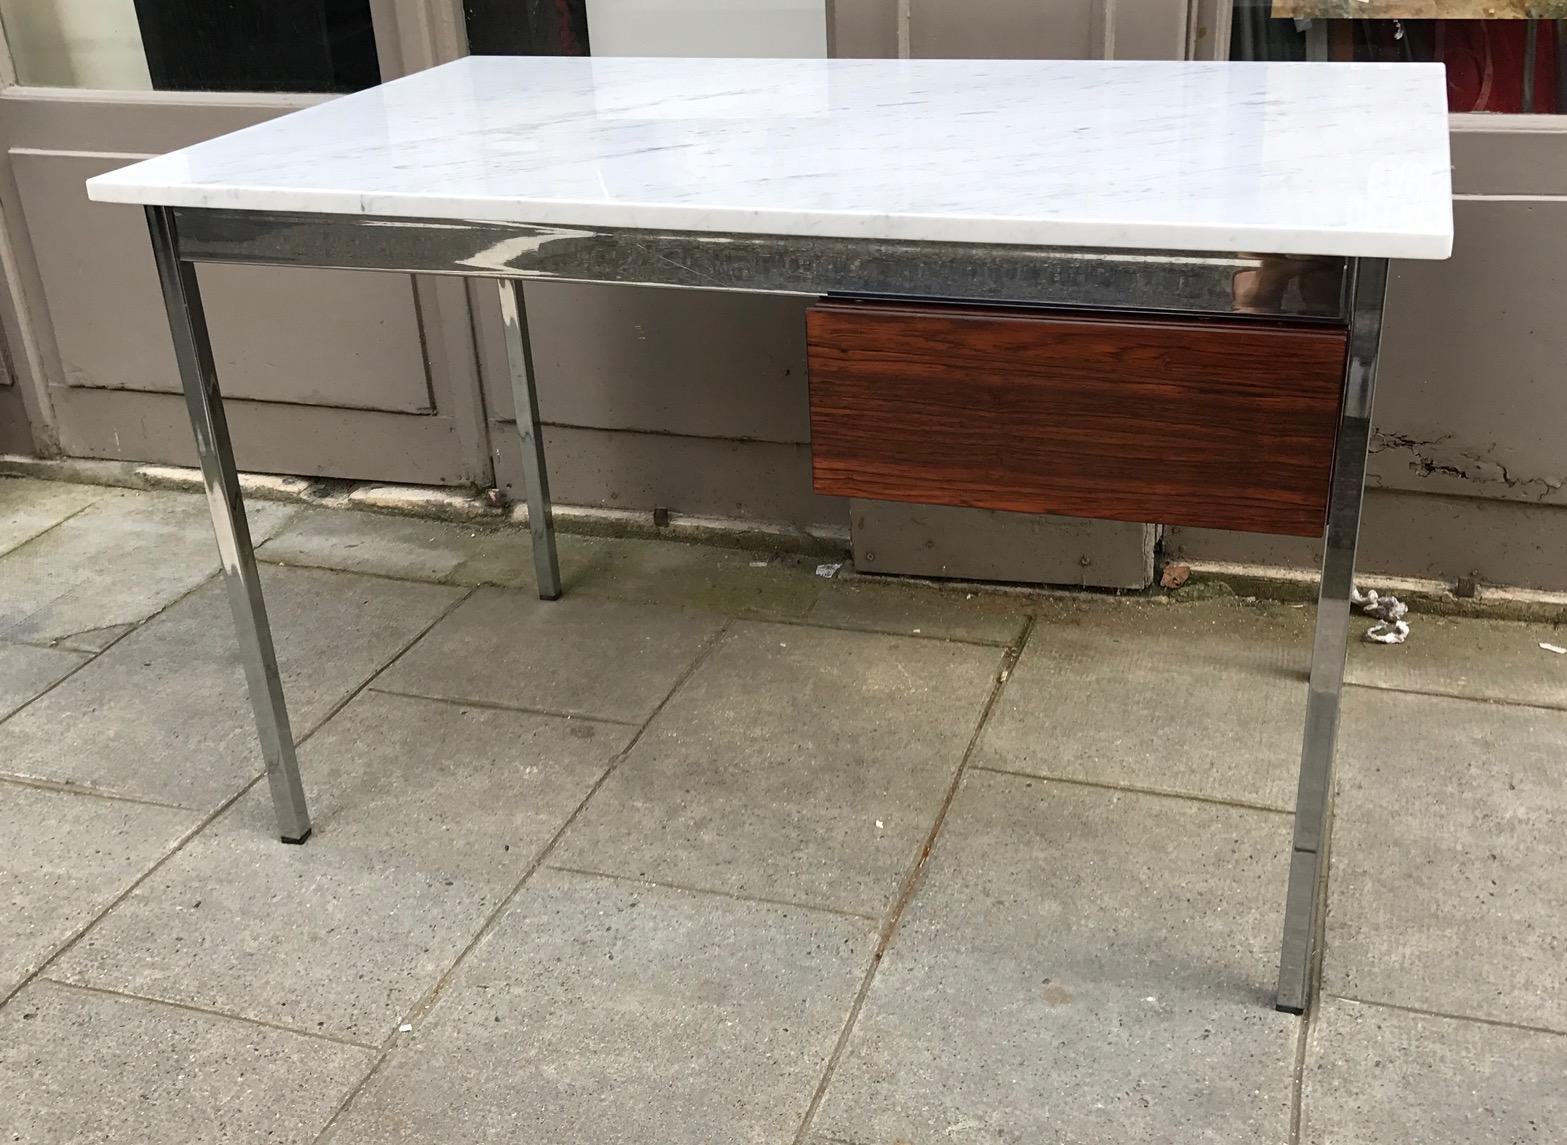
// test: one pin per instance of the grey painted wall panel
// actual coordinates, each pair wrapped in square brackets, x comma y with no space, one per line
[66,119]
[311,337]
[1001,29]
[979,544]
[269,437]
[863,29]
[1145,29]
[1472,388]
[1509,154]
[1416,534]
[674,361]
[15,430]
[751,480]
[314,344]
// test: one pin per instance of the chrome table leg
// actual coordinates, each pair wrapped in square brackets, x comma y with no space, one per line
[1313,802]
[525,395]
[193,352]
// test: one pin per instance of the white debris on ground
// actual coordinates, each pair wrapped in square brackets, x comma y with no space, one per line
[1389,611]
[829,570]
[1556,648]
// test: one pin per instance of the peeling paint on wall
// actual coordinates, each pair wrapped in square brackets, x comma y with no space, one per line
[1442,457]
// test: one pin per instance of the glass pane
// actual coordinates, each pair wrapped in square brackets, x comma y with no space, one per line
[193,45]
[527,27]
[1495,61]
[784,28]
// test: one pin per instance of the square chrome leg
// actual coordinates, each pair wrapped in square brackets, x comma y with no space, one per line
[525,395]
[1306,896]
[193,351]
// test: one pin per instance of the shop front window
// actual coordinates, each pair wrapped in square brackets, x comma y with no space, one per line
[1500,55]
[779,28]
[193,45]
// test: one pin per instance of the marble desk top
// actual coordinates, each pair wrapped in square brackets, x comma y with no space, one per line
[1287,158]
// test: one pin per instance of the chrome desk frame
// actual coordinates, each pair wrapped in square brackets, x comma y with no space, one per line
[1343,290]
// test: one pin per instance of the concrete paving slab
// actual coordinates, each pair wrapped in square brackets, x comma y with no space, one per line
[1013,1003]
[887,606]
[1449,883]
[1079,966]
[121,559]
[1497,660]
[65,858]
[29,507]
[408,547]
[82,1068]
[426,815]
[163,714]
[574,655]
[615,1013]
[742,582]
[1376,1076]
[26,671]
[802,764]
[1201,699]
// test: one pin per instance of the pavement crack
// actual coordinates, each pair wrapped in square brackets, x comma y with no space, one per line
[47,529]
[206,1011]
[914,877]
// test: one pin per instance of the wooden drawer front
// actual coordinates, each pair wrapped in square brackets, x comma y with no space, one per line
[1224,424]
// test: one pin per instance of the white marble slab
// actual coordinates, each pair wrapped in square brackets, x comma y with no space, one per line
[1294,158]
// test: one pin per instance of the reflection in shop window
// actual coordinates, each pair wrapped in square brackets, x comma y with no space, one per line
[527,27]
[1500,55]
[193,45]
[776,28]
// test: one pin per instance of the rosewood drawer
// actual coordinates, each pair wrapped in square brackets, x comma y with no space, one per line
[1222,423]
